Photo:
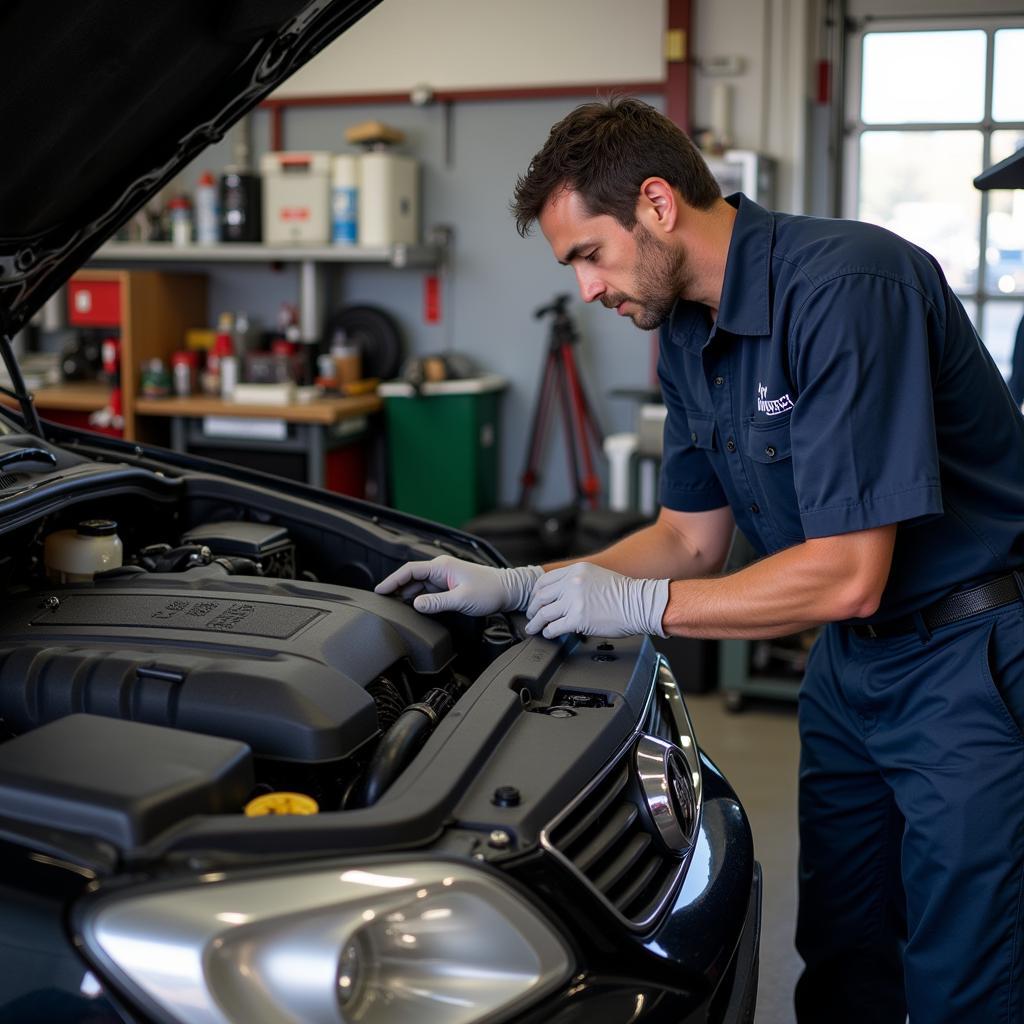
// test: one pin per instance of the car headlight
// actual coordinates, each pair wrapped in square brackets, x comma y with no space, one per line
[411,941]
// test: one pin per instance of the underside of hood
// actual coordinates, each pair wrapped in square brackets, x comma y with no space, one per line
[104,102]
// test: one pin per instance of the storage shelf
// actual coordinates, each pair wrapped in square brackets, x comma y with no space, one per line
[397,256]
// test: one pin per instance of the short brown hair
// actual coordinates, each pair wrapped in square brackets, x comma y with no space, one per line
[605,151]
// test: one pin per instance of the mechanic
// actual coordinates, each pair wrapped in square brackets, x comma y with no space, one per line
[827,393]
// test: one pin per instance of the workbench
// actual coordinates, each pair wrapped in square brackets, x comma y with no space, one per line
[310,429]
[70,404]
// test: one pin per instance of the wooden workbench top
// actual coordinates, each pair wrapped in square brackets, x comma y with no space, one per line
[320,410]
[76,396]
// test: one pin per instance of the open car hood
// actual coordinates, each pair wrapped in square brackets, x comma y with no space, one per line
[105,101]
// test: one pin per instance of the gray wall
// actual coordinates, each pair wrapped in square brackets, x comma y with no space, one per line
[497,279]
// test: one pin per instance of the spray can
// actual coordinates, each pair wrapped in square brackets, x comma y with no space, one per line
[345,200]
[207,211]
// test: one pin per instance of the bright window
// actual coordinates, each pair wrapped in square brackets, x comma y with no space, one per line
[929,107]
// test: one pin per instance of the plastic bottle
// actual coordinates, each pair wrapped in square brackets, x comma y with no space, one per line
[181,220]
[228,375]
[222,346]
[207,210]
[347,359]
[183,372]
[155,380]
[345,200]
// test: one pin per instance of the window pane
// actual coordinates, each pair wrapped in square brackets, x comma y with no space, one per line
[915,77]
[1008,86]
[999,328]
[971,309]
[1004,250]
[918,184]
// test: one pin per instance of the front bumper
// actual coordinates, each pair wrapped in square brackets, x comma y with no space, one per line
[612,999]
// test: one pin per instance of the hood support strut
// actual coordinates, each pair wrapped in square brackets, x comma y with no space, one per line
[19,392]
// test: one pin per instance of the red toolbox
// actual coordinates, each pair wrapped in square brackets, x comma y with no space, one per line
[94,302]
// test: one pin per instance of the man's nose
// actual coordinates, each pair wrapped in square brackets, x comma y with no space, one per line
[591,286]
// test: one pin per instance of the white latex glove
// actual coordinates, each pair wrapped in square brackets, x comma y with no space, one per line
[447,584]
[585,598]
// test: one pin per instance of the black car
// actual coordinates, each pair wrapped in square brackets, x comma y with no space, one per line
[235,784]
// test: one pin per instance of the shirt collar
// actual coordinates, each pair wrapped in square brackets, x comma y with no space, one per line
[745,290]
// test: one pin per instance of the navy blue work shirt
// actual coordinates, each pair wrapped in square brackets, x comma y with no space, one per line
[842,387]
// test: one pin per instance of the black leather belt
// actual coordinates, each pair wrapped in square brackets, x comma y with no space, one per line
[961,605]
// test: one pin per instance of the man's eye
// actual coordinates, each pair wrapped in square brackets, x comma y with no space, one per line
[591,257]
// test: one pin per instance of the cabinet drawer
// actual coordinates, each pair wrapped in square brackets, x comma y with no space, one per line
[93,303]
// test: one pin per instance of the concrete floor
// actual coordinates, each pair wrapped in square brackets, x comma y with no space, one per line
[758,750]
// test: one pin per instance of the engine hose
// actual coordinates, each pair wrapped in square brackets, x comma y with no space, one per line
[401,743]
[388,700]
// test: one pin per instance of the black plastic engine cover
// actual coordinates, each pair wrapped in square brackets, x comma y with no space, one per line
[123,782]
[277,664]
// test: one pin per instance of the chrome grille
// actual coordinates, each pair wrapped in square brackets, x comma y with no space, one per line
[607,837]
[609,841]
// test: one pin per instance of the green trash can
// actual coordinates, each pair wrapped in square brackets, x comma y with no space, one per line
[443,447]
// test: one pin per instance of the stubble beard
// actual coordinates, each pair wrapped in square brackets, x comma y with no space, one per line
[661,276]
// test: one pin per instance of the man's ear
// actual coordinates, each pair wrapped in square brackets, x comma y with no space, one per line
[658,206]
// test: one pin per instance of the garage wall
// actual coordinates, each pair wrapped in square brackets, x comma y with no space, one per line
[477,44]
[497,279]
[770,97]
[470,162]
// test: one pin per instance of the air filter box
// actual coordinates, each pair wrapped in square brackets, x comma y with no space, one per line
[122,782]
[267,545]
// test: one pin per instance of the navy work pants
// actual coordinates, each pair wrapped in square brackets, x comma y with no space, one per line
[912,826]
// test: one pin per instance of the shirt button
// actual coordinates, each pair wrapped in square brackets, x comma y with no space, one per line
[693,437]
[770,452]
[730,445]
[755,509]
[719,381]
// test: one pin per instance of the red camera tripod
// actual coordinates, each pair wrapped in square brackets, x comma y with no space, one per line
[561,384]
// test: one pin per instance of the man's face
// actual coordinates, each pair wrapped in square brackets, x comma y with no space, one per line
[628,271]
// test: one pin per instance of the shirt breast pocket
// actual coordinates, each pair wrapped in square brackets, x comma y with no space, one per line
[770,458]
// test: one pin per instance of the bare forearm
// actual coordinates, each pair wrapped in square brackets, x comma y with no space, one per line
[811,583]
[655,552]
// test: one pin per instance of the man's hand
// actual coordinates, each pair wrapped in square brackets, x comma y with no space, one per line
[448,584]
[584,598]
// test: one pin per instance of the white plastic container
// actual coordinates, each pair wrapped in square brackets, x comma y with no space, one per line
[181,221]
[389,199]
[620,450]
[296,198]
[74,556]
[345,200]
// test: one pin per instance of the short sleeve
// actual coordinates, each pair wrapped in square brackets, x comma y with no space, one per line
[863,425]
[688,482]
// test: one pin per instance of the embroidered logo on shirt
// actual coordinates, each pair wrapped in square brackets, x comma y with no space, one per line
[772,406]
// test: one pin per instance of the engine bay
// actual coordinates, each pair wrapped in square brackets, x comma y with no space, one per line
[248,628]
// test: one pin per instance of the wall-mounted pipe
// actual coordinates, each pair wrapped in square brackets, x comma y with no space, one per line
[277,106]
